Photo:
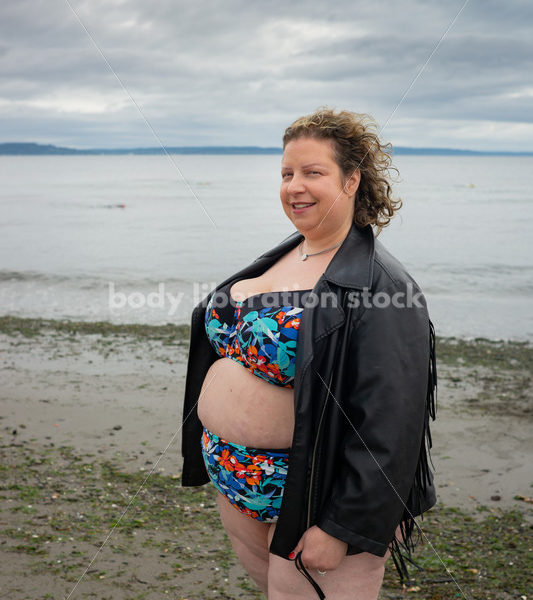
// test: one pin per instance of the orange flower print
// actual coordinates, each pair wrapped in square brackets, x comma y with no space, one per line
[280,316]
[293,323]
[225,460]
[273,370]
[205,439]
[263,368]
[237,467]
[247,511]
[252,473]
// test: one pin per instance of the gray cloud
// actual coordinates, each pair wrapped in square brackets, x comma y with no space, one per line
[238,72]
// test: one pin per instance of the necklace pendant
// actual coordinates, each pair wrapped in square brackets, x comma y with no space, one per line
[304,256]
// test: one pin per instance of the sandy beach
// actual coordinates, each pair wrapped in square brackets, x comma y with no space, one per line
[100,406]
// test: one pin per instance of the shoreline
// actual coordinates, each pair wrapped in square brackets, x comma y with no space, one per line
[480,347]
[97,394]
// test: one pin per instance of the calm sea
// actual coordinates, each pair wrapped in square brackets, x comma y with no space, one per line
[67,246]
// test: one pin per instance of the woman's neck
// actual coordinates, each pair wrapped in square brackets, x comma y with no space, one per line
[317,243]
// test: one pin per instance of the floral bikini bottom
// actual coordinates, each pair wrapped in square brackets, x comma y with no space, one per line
[252,479]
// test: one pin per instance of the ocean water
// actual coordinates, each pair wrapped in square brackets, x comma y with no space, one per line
[124,239]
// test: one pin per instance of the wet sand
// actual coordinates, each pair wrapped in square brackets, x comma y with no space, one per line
[116,395]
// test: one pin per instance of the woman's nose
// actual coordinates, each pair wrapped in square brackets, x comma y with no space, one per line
[296,184]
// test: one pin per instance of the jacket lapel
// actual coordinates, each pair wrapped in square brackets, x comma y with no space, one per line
[351,268]
[352,265]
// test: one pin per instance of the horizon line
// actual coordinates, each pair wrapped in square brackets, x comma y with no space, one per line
[35,148]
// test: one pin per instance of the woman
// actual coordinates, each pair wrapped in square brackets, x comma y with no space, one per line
[318,445]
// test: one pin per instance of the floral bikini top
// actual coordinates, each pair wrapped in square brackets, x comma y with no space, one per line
[260,332]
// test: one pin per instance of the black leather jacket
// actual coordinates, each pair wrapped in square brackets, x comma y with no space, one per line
[358,464]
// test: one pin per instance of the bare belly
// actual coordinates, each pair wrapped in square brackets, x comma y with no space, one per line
[243,408]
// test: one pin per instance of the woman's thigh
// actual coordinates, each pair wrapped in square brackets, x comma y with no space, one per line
[244,530]
[358,576]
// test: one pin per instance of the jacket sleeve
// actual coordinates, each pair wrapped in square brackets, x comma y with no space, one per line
[383,401]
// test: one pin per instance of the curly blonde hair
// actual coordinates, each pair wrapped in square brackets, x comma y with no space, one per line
[357,146]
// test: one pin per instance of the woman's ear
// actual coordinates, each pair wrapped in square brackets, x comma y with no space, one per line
[351,183]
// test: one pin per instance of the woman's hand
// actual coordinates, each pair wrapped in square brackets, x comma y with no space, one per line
[320,550]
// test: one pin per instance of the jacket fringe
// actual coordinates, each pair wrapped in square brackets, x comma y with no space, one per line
[401,550]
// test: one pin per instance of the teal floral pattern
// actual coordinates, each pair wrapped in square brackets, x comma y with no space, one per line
[260,336]
[252,479]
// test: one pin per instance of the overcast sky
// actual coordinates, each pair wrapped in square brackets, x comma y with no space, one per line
[237,72]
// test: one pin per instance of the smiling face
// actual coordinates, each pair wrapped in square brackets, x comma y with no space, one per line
[311,176]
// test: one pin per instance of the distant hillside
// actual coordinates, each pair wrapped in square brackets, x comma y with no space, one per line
[40,149]
[26,148]
[30,149]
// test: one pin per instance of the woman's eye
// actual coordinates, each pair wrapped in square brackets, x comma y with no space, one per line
[285,175]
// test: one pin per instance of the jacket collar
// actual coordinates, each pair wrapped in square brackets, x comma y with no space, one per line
[352,264]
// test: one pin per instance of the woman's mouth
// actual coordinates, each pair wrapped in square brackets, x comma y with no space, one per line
[300,207]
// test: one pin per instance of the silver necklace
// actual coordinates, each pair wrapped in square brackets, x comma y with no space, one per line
[304,256]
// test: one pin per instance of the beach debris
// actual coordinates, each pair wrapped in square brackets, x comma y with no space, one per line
[117,427]
[496,497]
[527,499]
